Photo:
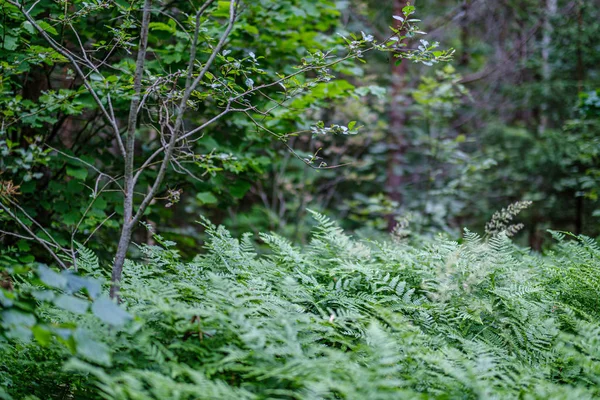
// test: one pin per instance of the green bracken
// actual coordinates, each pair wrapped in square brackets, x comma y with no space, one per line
[337,319]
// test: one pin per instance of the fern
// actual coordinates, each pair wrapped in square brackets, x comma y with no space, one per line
[341,318]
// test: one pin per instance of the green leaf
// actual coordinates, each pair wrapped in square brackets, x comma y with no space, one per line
[77,173]
[18,324]
[222,9]
[47,27]
[71,303]
[109,312]
[6,298]
[26,259]
[23,245]
[408,10]
[14,317]
[9,42]
[159,26]
[239,189]
[42,335]
[51,278]
[251,29]
[71,217]
[91,349]
[100,203]
[351,125]
[28,27]
[206,198]
[43,295]
[76,283]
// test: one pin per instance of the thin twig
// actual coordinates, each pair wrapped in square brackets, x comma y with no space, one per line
[97,227]
[41,241]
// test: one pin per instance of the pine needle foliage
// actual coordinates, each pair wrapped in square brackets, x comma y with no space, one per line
[336,319]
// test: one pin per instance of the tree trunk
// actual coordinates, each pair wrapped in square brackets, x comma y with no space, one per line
[128,219]
[397,120]
[578,214]
[464,34]
[551,8]
[579,200]
[580,67]
[117,271]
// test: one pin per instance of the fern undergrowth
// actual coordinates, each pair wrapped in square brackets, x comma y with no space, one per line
[337,319]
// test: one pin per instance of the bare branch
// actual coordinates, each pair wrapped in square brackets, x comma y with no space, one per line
[98,227]
[29,217]
[291,149]
[157,152]
[96,194]
[235,99]
[28,238]
[87,164]
[182,108]
[41,241]
[33,6]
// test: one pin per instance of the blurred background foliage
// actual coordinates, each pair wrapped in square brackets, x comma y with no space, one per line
[516,116]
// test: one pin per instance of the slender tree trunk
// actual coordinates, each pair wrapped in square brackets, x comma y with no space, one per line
[524,113]
[128,222]
[130,219]
[397,119]
[579,215]
[464,34]
[580,67]
[579,200]
[551,8]
[535,238]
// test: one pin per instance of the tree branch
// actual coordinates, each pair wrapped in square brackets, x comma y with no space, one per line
[182,108]
[41,241]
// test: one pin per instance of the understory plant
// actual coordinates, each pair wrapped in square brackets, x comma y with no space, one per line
[340,318]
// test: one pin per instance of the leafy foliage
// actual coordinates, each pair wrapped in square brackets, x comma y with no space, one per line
[338,318]
[283,115]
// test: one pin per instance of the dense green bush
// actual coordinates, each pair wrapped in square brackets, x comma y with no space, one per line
[338,319]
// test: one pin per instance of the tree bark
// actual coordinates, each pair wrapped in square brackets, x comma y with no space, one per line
[128,222]
[464,34]
[397,120]
[579,200]
[551,8]
[580,66]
